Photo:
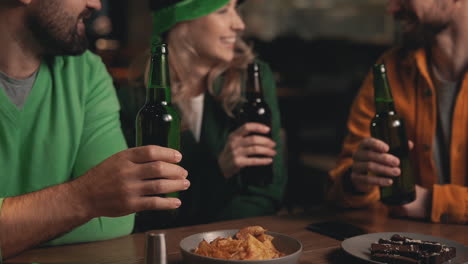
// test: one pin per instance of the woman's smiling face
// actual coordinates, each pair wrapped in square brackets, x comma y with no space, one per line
[213,36]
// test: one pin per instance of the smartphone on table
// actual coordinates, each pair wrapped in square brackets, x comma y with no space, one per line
[336,229]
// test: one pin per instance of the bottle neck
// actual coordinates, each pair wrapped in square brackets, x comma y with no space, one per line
[383,95]
[159,83]
[254,84]
[382,107]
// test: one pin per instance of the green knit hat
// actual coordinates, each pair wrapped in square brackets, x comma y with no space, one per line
[165,18]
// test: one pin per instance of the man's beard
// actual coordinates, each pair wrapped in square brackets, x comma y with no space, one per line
[417,34]
[56,30]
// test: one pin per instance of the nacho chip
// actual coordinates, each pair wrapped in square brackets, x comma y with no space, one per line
[250,243]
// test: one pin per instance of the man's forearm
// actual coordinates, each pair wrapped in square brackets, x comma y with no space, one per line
[33,218]
[116,187]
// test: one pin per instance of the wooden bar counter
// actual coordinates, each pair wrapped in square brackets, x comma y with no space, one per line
[317,248]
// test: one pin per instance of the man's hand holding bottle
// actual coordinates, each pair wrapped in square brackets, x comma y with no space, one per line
[372,161]
[126,182]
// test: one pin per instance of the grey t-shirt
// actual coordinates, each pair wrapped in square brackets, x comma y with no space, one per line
[446,95]
[17,90]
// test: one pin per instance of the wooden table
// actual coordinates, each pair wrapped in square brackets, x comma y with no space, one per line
[317,248]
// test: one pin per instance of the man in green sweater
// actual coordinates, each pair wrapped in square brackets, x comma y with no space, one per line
[65,176]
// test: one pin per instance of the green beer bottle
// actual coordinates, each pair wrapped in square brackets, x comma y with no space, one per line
[390,128]
[158,123]
[255,109]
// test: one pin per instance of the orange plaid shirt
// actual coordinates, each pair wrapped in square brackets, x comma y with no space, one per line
[415,100]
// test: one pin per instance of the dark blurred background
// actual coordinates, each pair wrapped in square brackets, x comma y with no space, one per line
[319,50]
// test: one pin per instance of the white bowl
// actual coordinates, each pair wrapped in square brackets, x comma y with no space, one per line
[286,244]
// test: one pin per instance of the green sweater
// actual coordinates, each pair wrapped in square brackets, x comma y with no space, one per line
[211,197]
[69,124]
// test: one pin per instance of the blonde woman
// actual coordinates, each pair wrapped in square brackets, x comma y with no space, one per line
[207,58]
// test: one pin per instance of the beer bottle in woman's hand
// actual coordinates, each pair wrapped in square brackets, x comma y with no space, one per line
[255,109]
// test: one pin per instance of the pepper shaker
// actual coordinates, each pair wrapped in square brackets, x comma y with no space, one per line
[155,249]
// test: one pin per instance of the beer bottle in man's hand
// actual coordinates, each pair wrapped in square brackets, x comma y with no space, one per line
[390,128]
[255,109]
[158,123]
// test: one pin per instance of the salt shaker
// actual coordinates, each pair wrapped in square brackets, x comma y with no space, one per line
[155,249]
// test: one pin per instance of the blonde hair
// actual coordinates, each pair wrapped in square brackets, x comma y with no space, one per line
[180,53]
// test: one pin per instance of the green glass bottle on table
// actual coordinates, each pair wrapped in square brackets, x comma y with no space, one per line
[390,128]
[158,123]
[255,109]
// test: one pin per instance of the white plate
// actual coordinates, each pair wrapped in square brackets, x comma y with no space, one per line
[359,246]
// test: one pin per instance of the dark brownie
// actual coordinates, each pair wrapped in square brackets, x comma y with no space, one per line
[444,255]
[401,250]
[411,251]
[388,241]
[424,245]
